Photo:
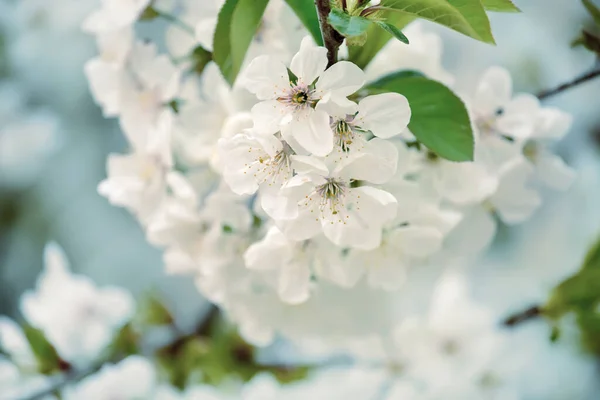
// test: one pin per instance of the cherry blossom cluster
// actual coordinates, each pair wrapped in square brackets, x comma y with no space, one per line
[294,191]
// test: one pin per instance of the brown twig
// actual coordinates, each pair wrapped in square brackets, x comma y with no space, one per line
[331,38]
[569,85]
[525,315]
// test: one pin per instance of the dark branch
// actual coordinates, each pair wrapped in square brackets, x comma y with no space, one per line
[568,85]
[526,315]
[331,38]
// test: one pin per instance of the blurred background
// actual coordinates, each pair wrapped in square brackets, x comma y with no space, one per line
[54,143]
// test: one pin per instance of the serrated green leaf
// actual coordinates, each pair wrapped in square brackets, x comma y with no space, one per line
[348,25]
[306,11]
[237,23]
[439,117]
[376,39]
[593,10]
[397,33]
[500,6]
[465,16]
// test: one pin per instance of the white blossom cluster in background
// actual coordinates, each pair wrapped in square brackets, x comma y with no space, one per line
[453,351]
[29,136]
[306,210]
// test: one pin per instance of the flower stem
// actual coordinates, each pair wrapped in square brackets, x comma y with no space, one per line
[545,94]
[331,38]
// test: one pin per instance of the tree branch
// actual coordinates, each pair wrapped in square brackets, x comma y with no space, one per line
[525,315]
[202,330]
[568,85]
[331,38]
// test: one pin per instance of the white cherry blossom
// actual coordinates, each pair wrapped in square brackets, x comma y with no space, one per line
[253,161]
[292,259]
[115,14]
[296,107]
[551,125]
[321,198]
[383,115]
[77,317]
[131,379]
[137,180]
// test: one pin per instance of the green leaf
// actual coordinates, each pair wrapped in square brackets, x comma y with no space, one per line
[465,16]
[306,11]
[153,312]
[376,39]
[348,25]
[397,33]
[200,57]
[500,6]
[581,291]
[149,14]
[439,118]
[237,24]
[593,10]
[592,258]
[45,354]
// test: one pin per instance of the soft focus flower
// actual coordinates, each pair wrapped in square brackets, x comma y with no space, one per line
[76,316]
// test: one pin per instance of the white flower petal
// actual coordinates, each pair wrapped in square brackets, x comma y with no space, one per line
[266,77]
[310,62]
[294,282]
[377,163]
[418,241]
[205,31]
[309,165]
[342,79]
[272,252]
[552,170]
[385,115]
[312,131]
[267,116]
[494,91]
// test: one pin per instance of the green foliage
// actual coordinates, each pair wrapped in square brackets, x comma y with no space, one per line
[376,39]
[348,25]
[307,13]
[152,312]
[465,16]
[589,41]
[397,33]
[593,10]
[125,343]
[356,25]
[45,354]
[439,119]
[580,295]
[500,6]
[149,14]
[237,24]
[215,356]
[200,57]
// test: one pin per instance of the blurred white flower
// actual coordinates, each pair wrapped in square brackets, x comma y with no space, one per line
[78,318]
[132,379]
